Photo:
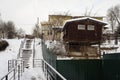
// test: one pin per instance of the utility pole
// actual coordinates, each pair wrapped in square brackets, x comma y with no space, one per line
[37,27]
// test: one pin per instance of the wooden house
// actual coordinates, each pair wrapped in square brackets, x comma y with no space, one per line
[81,32]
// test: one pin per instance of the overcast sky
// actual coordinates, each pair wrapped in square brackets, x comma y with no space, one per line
[24,13]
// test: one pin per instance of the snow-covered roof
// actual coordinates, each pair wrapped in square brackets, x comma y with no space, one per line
[84,18]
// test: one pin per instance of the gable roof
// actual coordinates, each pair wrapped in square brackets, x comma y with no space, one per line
[85,18]
[82,19]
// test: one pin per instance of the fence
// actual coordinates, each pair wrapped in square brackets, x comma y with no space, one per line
[49,71]
[85,69]
[48,55]
[15,70]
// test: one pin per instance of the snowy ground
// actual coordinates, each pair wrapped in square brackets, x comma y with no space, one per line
[11,53]
[110,45]
[33,74]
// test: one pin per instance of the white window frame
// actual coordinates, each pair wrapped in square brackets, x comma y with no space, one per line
[81,27]
[91,27]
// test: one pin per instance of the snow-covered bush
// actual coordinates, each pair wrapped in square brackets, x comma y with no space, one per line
[3,45]
[56,46]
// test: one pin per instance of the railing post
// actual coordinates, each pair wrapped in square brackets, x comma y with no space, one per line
[14,74]
[16,63]
[23,65]
[43,66]
[18,72]
[33,53]
[6,78]
[8,65]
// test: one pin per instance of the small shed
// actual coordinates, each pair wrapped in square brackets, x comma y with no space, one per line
[79,34]
[83,30]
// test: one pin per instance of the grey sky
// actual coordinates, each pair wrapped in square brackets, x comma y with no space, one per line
[24,13]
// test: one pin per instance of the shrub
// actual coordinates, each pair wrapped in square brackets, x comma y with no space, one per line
[3,45]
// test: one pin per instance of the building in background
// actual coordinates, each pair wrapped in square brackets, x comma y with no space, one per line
[80,34]
[52,29]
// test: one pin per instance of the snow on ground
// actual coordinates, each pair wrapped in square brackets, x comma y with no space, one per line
[10,53]
[111,44]
[33,74]
[38,49]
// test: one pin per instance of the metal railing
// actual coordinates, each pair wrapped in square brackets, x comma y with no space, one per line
[49,71]
[15,72]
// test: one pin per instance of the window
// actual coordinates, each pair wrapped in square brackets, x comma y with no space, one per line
[81,27]
[90,27]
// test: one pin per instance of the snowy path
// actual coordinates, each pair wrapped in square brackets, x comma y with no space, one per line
[38,50]
[35,73]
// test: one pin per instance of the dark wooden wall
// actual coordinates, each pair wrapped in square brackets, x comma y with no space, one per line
[75,35]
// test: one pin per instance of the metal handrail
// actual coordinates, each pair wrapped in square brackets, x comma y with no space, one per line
[4,77]
[47,66]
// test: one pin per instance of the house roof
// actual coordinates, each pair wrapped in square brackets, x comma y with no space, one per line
[84,18]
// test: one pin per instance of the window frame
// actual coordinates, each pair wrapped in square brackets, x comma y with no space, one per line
[90,27]
[81,27]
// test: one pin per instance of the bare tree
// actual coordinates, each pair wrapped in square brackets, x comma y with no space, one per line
[1,29]
[36,31]
[7,29]
[20,33]
[113,17]
[10,29]
[89,12]
[56,23]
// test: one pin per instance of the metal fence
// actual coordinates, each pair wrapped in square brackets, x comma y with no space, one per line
[85,69]
[48,55]
[89,69]
[15,70]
